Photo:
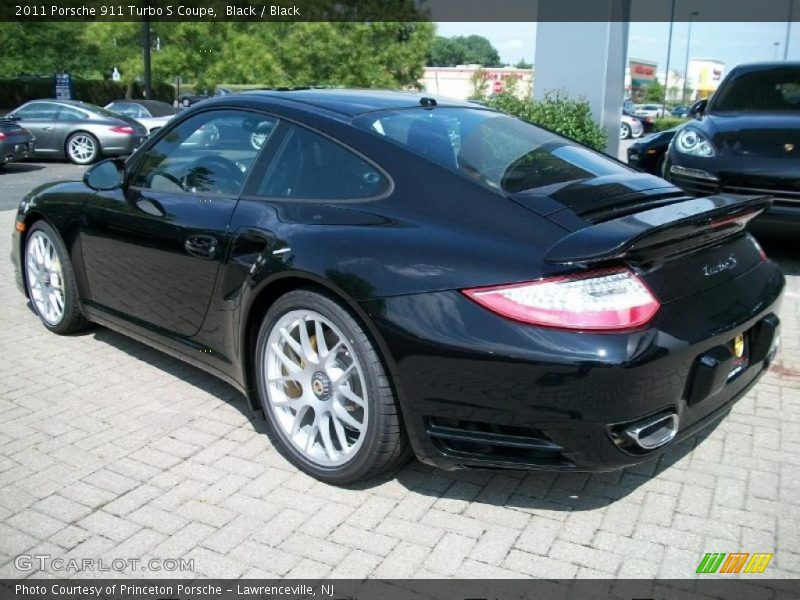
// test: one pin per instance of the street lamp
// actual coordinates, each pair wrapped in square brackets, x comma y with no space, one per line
[669,54]
[688,46]
[788,30]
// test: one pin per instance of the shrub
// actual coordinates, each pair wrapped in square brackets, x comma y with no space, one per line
[665,123]
[14,92]
[557,112]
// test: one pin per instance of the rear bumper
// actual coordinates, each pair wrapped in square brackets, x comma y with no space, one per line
[480,391]
[119,145]
[11,150]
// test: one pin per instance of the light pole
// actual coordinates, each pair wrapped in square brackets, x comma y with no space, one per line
[788,30]
[669,54]
[692,15]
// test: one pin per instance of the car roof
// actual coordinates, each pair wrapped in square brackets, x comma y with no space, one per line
[766,65]
[352,102]
[154,106]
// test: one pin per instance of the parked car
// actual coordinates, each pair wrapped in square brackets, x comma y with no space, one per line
[630,127]
[680,111]
[654,111]
[187,100]
[378,284]
[81,132]
[746,140]
[649,153]
[16,142]
[647,122]
[153,114]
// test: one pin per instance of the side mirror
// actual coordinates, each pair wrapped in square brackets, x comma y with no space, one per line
[10,118]
[105,175]
[698,109]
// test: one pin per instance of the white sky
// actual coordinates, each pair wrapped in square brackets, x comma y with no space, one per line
[732,43]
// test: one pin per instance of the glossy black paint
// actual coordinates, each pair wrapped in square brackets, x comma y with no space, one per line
[398,263]
[756,152]
[647,154]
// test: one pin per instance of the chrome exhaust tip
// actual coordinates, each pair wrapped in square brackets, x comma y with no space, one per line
[653,433]
[645,434]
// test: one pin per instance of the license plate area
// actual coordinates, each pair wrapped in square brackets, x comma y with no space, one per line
[739,347]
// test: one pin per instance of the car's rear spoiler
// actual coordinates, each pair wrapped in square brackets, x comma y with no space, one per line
[659,231]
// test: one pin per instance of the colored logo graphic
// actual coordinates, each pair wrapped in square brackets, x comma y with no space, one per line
[735,562]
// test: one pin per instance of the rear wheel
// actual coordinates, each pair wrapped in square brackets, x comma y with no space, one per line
[625,131]
[83,148]
[327,398]
[51,282]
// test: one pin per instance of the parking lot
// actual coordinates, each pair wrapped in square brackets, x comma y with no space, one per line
[111,449]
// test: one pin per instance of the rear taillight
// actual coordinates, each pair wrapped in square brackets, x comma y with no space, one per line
[2,135]
[126,129]
[608,300]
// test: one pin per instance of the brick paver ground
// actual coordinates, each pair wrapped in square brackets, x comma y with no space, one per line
[109,449]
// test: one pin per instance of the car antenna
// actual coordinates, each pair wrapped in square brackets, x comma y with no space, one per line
[427,102]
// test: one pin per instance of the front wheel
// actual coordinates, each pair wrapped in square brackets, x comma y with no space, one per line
[625,131]
[328,401]
[50,281]
[83,148]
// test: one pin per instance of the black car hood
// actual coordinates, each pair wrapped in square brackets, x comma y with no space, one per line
[754,134]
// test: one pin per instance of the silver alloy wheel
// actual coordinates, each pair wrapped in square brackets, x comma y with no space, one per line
[623,131]
[316,388]
[81,148]
[45,277]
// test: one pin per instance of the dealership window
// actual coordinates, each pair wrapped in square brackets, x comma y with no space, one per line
[310,166]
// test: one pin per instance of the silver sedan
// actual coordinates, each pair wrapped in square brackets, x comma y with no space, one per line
[78,131]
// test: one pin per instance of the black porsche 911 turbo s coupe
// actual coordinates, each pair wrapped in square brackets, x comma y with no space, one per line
[390,273]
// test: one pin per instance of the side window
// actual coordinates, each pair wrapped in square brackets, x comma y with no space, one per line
[38,111]
[71,114]
[209,153]
[310,166]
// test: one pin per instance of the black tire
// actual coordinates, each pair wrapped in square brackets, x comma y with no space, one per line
[72,319]
[385,446]
[88,160]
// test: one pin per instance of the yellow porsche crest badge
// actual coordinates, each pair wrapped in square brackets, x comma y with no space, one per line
[738,346]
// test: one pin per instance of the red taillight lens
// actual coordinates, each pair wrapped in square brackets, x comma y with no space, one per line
[126,129]
[2,135]
[610,300]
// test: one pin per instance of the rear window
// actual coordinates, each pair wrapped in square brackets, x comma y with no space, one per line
[499,151]
[770,90]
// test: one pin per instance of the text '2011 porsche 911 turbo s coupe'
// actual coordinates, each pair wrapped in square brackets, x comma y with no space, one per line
[388,273]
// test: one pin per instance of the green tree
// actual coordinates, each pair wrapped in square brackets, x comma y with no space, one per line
[44,48]
[461,50]
[654,92]
[524,64]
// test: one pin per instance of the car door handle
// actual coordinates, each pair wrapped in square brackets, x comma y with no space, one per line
[202,246]
[46,128]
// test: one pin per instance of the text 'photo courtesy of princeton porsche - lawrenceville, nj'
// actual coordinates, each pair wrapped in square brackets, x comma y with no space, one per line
[400,300]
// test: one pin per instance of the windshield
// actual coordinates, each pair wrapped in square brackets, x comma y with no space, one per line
[497,150]
[771,90]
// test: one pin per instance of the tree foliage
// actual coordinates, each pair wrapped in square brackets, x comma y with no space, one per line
[461,50]
[654,92]
[557,112]
[378,54]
